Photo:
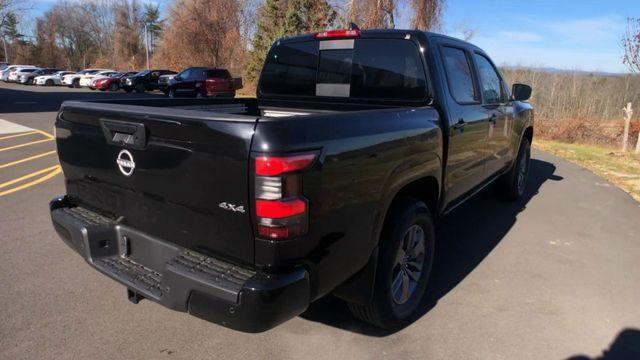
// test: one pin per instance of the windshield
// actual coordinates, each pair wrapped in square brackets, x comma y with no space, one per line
[363,68]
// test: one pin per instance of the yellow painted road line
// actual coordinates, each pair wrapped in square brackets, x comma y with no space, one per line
[44,133]
[28,176]
[56,170]
[27,159]
[23,145]
[18,135]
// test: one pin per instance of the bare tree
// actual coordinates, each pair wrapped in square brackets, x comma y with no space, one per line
[631,45]
[427,14]
[371,14]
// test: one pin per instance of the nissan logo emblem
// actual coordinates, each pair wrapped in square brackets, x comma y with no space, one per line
[125,162]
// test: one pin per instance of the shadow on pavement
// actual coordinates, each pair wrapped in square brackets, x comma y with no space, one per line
[626,346]
[19,101]
[458,251]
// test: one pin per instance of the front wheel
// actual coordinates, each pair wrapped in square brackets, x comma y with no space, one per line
[513,184]
[113,87]
[405,259]
[49,82]
[76,83]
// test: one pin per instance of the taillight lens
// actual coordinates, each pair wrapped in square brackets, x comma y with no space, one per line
[277,165]
[280,208]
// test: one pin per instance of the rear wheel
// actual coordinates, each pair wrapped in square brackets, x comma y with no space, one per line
[513,184]
[405,259]
[76,83]
[49,82]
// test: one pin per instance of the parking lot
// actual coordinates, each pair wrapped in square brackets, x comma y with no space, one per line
[553,276]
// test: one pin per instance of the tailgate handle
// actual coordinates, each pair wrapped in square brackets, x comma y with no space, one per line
[124,133]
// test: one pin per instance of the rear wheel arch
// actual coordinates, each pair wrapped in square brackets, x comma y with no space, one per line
[359,288]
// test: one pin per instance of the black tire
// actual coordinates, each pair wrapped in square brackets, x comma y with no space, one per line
[512,185]
[171,93]
[49,82]
[140,88]
[390,309]
[199,94]
[113,87]
[128,90]
[76,83]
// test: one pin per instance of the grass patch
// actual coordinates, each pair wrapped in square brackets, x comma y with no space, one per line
[623,170]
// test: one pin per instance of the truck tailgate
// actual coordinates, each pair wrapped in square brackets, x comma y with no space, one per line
[162,171]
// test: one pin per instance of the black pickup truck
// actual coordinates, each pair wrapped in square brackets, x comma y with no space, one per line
[244,211]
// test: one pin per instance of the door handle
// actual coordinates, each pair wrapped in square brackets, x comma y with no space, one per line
[460,124]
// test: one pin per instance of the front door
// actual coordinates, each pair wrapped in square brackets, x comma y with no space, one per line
[468,125]
[495,101]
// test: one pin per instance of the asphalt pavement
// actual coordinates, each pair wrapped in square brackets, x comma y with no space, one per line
[554,276]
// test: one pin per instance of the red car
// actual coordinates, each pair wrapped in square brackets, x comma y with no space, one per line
[112,82]
[202,81]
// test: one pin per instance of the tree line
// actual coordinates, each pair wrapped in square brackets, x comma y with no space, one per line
[235,34]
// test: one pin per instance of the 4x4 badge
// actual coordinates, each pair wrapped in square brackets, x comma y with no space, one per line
[125,162]
[231,207]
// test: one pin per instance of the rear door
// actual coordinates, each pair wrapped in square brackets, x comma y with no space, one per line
[162,171]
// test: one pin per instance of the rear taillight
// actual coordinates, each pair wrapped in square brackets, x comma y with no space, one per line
[281,210]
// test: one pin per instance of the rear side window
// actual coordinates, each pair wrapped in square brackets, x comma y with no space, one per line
[490,83]
[361,68]
[221,74]
[459,75]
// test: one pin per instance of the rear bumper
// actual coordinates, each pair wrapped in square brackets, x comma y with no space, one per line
[213,289]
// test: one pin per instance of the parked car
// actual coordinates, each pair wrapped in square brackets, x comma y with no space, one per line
[244,211]
[85,80]
[201,82]
[53,79]
[3,65]
[73,80]
[7,72]
[28,78]
[146,80]
[112,82]
[163,82]
[15,75]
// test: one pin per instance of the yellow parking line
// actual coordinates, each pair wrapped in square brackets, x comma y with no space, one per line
[25,144]
[27,159]
[35,173]
[55,171]
[18,135]
[44,133]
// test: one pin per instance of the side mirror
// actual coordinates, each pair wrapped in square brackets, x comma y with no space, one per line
[521,92]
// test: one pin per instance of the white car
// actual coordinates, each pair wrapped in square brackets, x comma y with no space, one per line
[53,79]
[85,80]
[4,74]
[73,80]
[17,73]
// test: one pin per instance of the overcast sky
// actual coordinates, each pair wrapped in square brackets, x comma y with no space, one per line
[564,34]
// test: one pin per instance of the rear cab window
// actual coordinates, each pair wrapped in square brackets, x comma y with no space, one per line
[361,68]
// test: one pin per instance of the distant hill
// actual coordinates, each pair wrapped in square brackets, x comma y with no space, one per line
[553,70]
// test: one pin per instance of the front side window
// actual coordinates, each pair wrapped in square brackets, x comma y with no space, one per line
[490,82]
[459,75]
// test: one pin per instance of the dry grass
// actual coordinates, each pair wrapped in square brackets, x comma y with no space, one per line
[623,170]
